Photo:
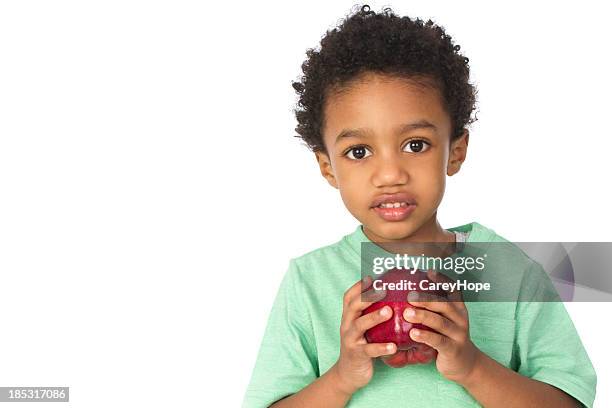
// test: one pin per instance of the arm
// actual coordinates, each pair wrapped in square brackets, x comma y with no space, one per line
[323,392]
[459,360]
[488,377]
[354,368]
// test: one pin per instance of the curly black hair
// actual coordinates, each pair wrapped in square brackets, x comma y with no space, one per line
[382,43]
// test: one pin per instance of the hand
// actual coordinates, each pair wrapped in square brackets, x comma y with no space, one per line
[354,367]
[457,355]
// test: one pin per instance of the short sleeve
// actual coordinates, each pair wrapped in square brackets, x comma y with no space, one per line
[286,362]
[548,345]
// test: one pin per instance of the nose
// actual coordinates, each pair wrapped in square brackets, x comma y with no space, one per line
[389,171]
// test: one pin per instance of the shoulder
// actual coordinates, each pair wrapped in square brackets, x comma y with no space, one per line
[331,250]
[329,266]
[487,237]
[340,250]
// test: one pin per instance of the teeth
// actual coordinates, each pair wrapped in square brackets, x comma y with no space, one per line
[393,205]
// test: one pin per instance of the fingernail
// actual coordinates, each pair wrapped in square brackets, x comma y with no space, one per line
[390,346]
[384,311]
[415,332]
[409,312]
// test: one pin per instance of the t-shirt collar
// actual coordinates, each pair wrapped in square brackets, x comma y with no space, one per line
[476,233]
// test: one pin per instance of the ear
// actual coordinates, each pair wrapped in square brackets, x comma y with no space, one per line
[326,168]
[458,152]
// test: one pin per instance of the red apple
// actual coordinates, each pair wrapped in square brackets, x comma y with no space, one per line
[396,329]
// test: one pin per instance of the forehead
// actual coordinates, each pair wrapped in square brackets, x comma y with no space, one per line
[383,103]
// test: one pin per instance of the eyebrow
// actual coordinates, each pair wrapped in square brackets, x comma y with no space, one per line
[407,127]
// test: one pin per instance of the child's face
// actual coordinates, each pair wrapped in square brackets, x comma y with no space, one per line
[391,160]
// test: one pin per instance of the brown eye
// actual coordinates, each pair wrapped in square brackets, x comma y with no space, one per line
[357,153]
[417,146]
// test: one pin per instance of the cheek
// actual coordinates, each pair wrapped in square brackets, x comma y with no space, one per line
[352,182]
[354,190]
[352,193]
[430,177]
[429,185]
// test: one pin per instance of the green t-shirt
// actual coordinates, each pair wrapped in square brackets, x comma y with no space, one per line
[302,337]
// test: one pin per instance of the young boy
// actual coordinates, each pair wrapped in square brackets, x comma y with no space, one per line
[384,104]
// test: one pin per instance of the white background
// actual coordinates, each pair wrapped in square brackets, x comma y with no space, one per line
[152,194]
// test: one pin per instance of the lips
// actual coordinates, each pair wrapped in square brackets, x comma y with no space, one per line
[395,213]
[393,198]
[395,207]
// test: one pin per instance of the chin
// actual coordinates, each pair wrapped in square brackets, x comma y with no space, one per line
[392,230]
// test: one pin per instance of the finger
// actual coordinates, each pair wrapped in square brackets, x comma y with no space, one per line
[450,310]
[353,305]
[438,341]
[355,289]
[362,286]
[368,291]
[356,305]
[367,321]
[424,297]
[349,294]
[373,295]
[453,295]
[374,350]
[435,321]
